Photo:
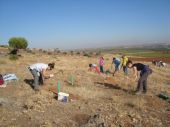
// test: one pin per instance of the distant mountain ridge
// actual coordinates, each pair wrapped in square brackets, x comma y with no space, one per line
[162,46]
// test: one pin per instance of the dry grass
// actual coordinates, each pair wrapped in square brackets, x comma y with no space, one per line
[94,93]
[2,62]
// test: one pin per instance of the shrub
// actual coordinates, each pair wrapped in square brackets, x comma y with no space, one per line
[30,51]
[78,53]
[14,51]
[49,53]
[58,52]
[91,53]
[40,50]
[44,51]
[4,46]
[13,57]
[72,52]
[98,53]
[65,53]
[18,42]
[86,54]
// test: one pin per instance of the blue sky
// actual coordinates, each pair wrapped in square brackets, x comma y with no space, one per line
[70,24]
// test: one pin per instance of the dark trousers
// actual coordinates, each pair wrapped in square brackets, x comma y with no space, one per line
[125,70]
[38,79]
[101,69]
[142,82]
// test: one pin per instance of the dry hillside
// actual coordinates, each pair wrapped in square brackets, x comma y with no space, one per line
[94,100]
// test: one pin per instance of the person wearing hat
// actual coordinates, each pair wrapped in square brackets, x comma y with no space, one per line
[38,71]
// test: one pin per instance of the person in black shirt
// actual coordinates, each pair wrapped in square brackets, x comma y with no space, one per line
[145,71]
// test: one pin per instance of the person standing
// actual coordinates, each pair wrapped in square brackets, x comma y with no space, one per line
[38,71]
[124,64]
[145,71]
[101,64]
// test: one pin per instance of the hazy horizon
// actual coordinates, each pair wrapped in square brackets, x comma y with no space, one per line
[85,24]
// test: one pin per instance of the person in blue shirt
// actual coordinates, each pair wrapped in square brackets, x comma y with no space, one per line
[116,62]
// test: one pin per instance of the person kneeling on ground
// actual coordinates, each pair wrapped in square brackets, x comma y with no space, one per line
[94,67]
[116,62]
[145,71]
[38,71]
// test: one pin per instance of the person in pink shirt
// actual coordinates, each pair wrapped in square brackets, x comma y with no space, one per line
[101,64]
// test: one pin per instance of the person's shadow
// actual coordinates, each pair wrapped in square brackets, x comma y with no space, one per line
[115,86]
[109,85]
[29,82]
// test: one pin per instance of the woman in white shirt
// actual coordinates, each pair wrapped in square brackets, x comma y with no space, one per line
[38,71]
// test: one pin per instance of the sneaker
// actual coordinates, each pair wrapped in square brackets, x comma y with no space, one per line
[138,93]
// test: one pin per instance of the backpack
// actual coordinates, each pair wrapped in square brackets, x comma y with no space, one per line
[1,80]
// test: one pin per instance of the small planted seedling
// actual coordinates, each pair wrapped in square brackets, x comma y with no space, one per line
[71,80]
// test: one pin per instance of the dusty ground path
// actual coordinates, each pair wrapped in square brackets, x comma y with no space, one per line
[94,100]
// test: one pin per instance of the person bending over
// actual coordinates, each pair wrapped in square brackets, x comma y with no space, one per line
[94,67]
[38,71]
[145,71]
[116,62]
